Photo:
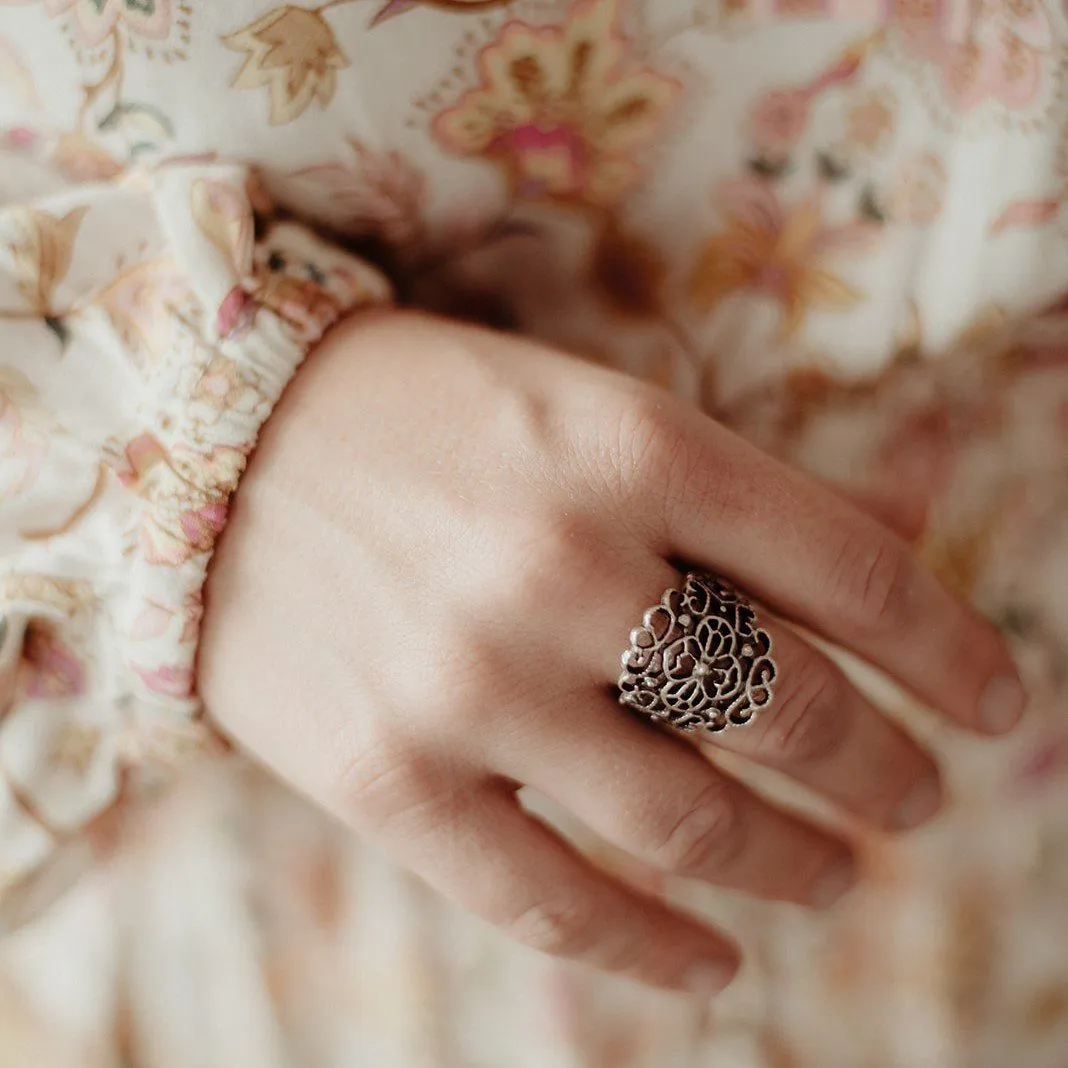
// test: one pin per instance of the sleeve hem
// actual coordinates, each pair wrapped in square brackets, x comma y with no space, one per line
[170,371]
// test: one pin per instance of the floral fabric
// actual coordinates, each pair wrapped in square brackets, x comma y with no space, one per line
[837,225]
[147,335]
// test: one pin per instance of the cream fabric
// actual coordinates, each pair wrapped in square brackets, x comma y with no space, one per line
[835,224]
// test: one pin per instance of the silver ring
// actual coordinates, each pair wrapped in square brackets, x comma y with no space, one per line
[699,661]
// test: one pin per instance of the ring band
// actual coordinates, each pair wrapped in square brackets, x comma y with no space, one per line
[699,661]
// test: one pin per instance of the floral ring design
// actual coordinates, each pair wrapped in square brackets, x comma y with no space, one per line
[699,661]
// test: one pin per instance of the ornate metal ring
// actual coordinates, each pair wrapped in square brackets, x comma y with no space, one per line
[699,662]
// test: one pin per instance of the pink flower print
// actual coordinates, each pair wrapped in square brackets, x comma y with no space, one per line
[95,20]
[151,622]
[1003,52]
[562,109]
[154,620]
[201,526]
[52,668]
[20,139]
[192,613]
[1047,761]
[1024,214]
[780,117]
[193,533]
[140,457]
[236,314]
[167,680]
[144,452]
[778,121]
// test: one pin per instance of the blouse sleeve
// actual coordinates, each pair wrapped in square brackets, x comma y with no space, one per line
[147,327]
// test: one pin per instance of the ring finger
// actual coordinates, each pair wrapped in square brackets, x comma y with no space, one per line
[818,729]
[821,732]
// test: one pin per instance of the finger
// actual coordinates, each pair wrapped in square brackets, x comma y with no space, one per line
[657,798]
[820,731]
[488,856]
[815,558]
[904,514]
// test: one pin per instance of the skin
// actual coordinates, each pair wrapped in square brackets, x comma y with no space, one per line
[439,548]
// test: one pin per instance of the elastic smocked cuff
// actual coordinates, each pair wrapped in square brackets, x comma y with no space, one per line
[183,308]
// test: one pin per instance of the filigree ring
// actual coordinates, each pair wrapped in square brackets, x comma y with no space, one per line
[699,661]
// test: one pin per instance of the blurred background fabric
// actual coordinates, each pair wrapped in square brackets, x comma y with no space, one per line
[837,227]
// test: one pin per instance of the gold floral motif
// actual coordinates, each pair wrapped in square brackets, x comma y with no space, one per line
[214,472]
[919,190]
[68,596]
[27,429]
[871,122]
[957,560]
[141,302]
[292,52]
[301,302]
[1047,1008]
[82,160]
[178,529]
[83,508]
[561,109]
[75,746]
[779,250]
[42,253]
[222,212]
[221,385]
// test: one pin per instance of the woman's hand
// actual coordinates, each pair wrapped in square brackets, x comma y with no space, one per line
[434,562]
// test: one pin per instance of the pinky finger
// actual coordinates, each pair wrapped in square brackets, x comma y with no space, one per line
[495,860]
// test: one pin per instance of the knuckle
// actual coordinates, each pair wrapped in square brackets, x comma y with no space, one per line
[871,582]
[808,727]
[550,559]
[708,835]
[385,783]
[461,676]
[652,445]
[562,926]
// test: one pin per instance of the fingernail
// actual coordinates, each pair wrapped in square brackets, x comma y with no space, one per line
[921,803]
[709,977]
[834,883]
[1002,705]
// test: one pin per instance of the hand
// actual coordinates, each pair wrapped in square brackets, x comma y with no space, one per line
[433,564]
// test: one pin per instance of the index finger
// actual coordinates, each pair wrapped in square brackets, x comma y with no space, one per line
[795,544]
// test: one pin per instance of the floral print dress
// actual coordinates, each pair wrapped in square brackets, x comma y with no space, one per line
[836,225]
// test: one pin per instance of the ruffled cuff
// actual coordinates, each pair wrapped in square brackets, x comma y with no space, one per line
[147,329]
